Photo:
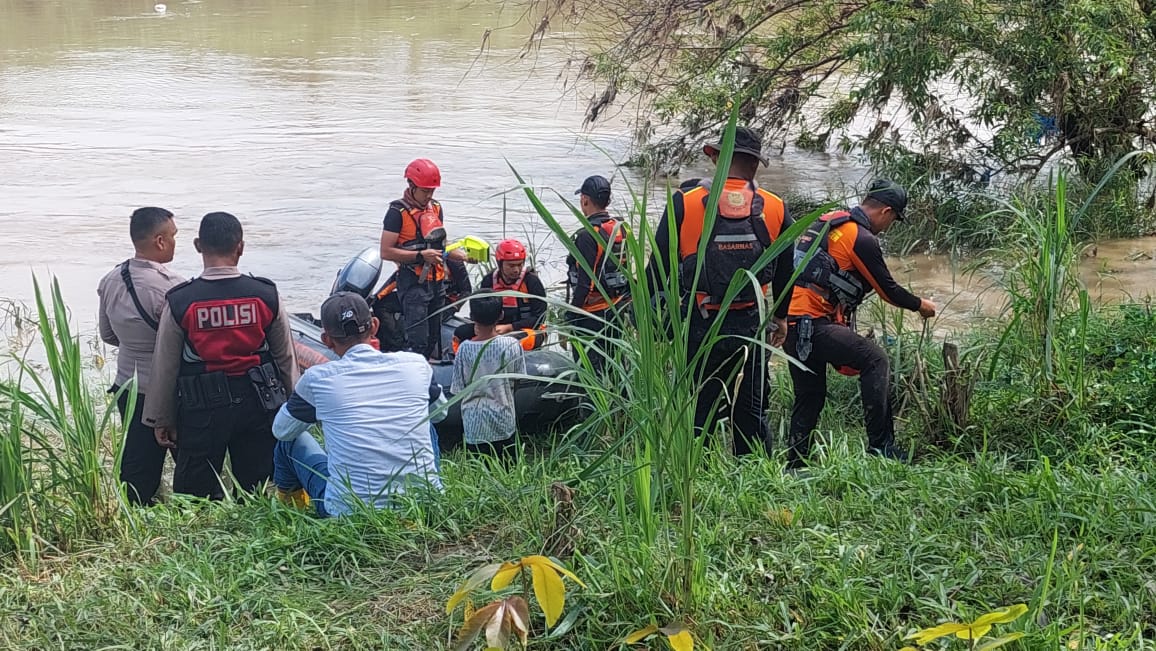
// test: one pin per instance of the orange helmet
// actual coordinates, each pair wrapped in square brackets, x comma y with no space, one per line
[510,250]
[424,174]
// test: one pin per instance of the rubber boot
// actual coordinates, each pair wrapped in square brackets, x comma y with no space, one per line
[297,499]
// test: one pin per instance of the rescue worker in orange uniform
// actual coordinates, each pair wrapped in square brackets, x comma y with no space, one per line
[846,266]
[522,317]
[414,237]
[387,306]
[749,220]
[601,299]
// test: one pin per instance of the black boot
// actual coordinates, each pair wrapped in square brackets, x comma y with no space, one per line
[890,451]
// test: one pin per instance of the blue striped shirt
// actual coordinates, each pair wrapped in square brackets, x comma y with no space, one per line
[488,409]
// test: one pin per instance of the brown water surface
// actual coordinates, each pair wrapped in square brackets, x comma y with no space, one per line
[299,116]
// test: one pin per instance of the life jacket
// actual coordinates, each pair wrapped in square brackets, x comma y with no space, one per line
[842,288]
[306,356]
[421,229]
[387,297]
[225,323]
[514,308]
[528,338]
[608,267]
[387,308]
[736,242]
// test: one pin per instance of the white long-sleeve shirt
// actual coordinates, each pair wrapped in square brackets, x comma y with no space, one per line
[374,409]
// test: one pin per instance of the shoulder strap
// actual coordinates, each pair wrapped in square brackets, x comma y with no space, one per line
[759,220]
[262,279]
[406,210]
[126,276]
[837,218]
[830,221]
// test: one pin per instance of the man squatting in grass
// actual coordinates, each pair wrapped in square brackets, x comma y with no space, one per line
[375,412]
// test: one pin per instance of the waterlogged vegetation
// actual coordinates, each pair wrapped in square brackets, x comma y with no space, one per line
[962,102]
[628,532]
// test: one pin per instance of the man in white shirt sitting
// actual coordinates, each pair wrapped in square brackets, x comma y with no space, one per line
[374,409]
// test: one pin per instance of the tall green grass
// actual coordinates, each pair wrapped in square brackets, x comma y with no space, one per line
[56,479]
[16,518]
[853,557]
[644,401]
[1047,307]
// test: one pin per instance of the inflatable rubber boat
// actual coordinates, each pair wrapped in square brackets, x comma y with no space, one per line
[543,405]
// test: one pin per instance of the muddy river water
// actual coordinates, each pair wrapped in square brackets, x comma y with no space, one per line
[299,116]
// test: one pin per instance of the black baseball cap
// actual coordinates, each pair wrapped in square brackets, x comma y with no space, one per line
[597,188]
[889,193]
[747,141]
[346,314]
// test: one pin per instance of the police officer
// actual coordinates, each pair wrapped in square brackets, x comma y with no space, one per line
[599,300]
[414,237]
[522,316]
[223,366]
[847,264]
[749,220]
[132,297]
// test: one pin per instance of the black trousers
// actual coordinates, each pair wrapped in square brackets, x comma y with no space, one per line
[595,329]
[838,345]
[736,371]
[390,332]
[419,305]
[243,429]
[142,461]
[506,450]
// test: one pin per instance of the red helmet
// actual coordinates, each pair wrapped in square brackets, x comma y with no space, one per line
[423,173]
[510,250]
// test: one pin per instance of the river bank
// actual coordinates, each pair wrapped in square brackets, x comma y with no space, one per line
[1041,494]
[1031,480]
[855,556]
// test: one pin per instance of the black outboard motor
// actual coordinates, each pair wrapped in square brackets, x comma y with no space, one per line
[359,275]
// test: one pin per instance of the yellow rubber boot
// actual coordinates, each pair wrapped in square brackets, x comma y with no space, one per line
[297,499]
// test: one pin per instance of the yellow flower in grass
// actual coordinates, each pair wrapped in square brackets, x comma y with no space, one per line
[973,630]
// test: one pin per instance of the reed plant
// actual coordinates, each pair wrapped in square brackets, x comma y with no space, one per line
[1047,306]
[16,518]
[59,437]
[856,555]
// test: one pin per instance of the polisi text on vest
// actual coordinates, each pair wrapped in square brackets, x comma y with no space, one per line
[228,315]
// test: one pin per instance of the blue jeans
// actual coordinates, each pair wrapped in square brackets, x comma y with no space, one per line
[433,437]
[301,463]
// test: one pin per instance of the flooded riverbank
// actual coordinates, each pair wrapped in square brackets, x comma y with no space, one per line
[299,118]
